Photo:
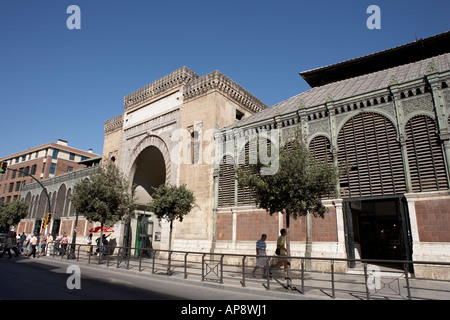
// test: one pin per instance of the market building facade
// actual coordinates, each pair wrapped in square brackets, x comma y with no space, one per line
[386,115]
[388,120]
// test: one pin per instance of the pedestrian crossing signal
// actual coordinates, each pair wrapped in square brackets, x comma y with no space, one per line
[3,166]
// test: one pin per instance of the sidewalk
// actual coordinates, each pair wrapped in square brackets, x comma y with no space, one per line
[387,284]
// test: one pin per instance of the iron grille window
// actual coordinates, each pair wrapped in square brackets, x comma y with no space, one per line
[368,146]
[426,160]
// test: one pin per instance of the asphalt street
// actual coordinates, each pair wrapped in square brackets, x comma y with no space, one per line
[99,290]
[41,279]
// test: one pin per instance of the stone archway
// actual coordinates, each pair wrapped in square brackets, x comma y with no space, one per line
[150,167]
[149,173]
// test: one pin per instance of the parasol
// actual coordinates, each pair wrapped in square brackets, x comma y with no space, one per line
[98,229]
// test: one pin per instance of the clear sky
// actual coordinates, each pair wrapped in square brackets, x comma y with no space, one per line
[61,83]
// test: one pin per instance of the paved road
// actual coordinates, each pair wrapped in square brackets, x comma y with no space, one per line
[41,279]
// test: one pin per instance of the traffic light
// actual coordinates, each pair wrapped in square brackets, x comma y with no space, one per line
[49,217]
[3,166]
[44,224]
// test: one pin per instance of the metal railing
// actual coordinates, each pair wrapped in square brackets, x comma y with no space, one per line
[371,279]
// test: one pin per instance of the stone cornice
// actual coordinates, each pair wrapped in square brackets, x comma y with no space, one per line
[218,81]
[113,124]
[155,89]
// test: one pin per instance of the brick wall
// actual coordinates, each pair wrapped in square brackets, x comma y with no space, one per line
[250,226]
[433,220]
[224,226]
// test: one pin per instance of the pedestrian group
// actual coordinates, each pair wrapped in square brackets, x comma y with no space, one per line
[262,260]
[33,244]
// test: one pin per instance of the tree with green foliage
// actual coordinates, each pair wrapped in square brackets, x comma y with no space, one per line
[11,213]
[105,197]
[171,203]
[299,185]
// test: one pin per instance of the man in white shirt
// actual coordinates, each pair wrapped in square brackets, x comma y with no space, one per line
[33,243]
[261,256]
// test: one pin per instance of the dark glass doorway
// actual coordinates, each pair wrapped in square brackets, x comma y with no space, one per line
[377,229]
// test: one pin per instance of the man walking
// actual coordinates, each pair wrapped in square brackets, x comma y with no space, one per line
[282,252]
[33,244]
[261,256]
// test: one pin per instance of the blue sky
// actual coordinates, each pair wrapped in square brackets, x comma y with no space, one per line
[61,83]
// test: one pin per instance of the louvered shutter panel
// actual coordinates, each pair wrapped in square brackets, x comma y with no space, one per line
[426,160]
[319,147]
[226,182]
[367,143]
[244,194]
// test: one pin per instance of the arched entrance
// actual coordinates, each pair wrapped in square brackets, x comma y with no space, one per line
[150,167]
[150,173]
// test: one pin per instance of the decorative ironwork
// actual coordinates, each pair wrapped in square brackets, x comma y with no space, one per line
[212,269]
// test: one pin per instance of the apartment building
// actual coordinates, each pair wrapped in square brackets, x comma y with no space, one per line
[42,162]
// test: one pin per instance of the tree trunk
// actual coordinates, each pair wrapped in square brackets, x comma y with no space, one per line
[170,235]
[308,241]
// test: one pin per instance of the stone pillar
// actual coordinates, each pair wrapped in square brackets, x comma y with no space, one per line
[340,225]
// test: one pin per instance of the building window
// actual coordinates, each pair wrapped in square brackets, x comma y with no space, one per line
[33,169]
[239,115]
[69,169]
[11,187]
[52,168]
[72,156]
[55,154]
